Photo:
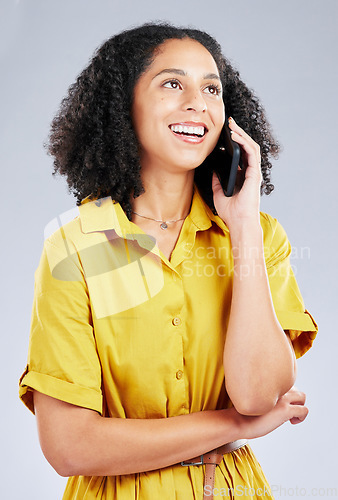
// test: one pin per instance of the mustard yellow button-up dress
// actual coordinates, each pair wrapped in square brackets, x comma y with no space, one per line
[119,329]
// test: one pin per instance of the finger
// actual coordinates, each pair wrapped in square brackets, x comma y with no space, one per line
[295,420]
[241,139]
[249,145]
[299,414]
[297,397]
[252,159]
[250,156]
[234,127]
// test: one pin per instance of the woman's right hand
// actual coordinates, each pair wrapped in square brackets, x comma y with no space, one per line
[289,407]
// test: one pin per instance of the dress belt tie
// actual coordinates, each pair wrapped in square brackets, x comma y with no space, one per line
[210,460]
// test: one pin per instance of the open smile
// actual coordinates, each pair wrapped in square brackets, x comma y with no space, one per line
[189,132]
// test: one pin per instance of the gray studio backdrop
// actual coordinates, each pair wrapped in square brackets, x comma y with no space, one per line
[286,51]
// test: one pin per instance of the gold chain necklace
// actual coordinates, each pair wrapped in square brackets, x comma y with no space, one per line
[164,223]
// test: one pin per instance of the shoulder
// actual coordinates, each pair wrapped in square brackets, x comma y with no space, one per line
[59,260]
[61,254]
[57,233]
[276,242]
[272,228]
[70,228]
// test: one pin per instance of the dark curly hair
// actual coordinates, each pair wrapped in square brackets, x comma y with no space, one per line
[92,138]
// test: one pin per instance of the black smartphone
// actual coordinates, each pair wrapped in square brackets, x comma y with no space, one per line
[228,160]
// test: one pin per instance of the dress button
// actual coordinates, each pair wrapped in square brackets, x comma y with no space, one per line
[176,321]
[179,374]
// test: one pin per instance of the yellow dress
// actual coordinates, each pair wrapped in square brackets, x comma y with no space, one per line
[119,329]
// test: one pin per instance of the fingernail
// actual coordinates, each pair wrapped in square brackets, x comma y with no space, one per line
[230,119]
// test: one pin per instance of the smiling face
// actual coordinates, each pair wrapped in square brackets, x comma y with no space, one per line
[178,111]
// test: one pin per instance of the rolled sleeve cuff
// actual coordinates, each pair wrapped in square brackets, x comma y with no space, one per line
[58,389]
[302,329]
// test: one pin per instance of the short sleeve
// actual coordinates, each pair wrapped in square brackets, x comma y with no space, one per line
[287,300]
[62,359]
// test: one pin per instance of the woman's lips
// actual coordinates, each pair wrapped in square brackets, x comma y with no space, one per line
[192,139]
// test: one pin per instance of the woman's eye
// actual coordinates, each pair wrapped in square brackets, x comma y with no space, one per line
[172,84]
[213,89]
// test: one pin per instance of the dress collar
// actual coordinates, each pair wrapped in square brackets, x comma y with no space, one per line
[105,214]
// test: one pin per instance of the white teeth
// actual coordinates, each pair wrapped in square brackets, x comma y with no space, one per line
[187,130]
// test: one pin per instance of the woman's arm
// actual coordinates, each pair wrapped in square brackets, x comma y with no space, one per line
[259,362]
[78,441]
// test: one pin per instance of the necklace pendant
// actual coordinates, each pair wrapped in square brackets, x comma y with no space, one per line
[163,225]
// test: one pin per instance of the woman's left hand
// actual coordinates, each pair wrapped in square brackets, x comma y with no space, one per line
[243,205]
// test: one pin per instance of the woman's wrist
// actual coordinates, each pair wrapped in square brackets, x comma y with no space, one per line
[246,231]
[232,418]
[247,244]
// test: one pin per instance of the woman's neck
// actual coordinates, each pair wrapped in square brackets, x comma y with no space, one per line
[166,197]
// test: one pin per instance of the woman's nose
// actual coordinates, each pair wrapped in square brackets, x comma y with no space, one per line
[194,101]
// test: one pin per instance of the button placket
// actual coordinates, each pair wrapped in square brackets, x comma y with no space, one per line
[176,322]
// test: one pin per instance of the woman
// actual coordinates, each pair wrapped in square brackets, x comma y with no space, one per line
[166,317]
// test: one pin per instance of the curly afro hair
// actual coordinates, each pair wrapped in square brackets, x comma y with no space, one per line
[98,162]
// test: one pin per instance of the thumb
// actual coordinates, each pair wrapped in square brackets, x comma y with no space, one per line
[216,185]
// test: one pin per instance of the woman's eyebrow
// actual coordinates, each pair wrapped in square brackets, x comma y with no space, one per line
[181,72]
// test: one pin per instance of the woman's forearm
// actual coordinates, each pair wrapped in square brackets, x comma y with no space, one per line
[77,441]
[259,362]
